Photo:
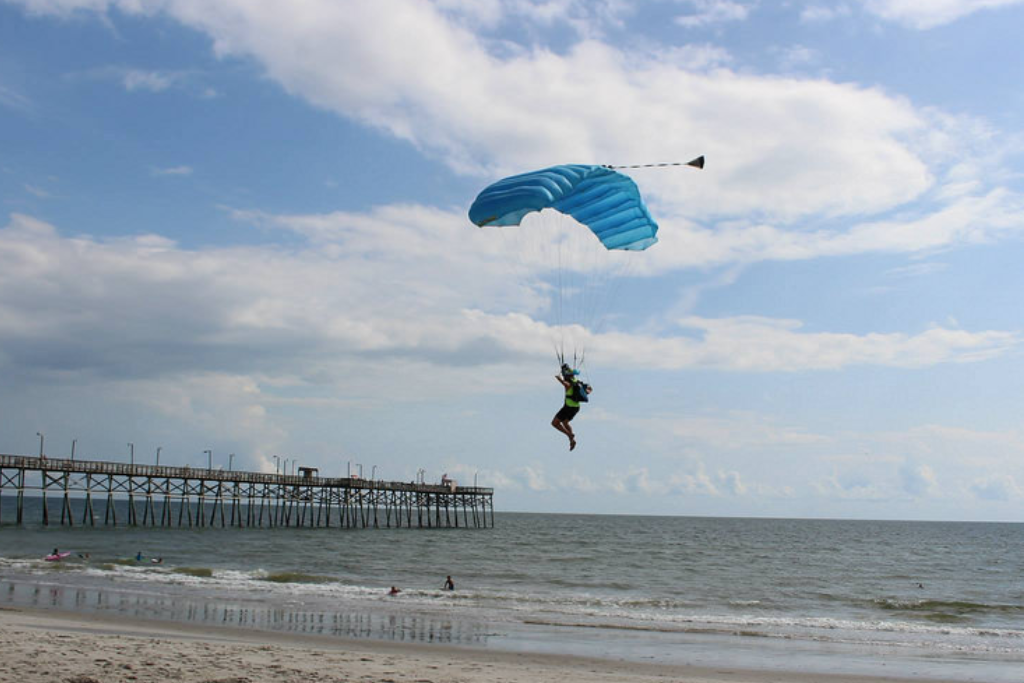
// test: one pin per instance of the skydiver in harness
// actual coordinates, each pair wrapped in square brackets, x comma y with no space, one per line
[575,393]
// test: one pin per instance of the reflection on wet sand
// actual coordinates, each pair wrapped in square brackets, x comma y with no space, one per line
[358,624]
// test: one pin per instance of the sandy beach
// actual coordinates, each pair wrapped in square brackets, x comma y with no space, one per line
[50,646]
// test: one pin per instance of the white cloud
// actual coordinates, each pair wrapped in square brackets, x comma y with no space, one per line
[135,80]
[756,344]
[66,8]
[926,15]
[984,219]
[14,99]
[690,480]
[823,13]
[480,12]
[582,483]
[144,307]
[587,18]
[694,482]
[706,12]
[695,57]
[732,483]
[500,480]
[931,462]
[153,81]
[776,147]
[77,310]
[227,341]
[234,407]
[632,482]
[973,439]
[794,57]
[172,171]
[635,480]
[788,469]
[916,270]
[37,191]
[917,479]
[735,431]
[850,485]
[535,480]
[999,487]
[957,453]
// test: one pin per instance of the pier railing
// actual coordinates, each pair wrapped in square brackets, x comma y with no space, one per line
[179,496]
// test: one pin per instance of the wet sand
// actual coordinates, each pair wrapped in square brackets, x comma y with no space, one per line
[40,646]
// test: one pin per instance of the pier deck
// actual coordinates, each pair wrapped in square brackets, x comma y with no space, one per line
[90,492]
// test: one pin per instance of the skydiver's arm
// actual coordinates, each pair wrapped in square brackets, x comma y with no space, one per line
[562,381]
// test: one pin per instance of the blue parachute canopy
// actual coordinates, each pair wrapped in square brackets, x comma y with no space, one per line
[600,198]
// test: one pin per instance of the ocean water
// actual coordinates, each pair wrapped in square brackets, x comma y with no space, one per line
[941,600]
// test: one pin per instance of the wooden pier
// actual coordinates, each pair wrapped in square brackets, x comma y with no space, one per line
[91,493]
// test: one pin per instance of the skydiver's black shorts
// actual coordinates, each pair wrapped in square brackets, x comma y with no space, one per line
[566,414]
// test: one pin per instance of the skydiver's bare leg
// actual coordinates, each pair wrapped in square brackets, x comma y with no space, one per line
[561,426]
[566,429]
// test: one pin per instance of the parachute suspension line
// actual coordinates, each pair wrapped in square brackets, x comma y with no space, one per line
[608,204]
[560,320]
[696,163]
[588,278]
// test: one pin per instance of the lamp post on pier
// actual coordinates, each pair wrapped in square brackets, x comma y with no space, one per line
[209,459]
[373,473]
[158,449]
[41,440]
[73,442]
[231,459]
[285,470]
[131,453]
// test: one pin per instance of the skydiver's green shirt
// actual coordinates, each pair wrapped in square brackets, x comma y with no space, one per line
[568,396]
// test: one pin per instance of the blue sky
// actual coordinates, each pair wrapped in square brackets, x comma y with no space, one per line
[242,227]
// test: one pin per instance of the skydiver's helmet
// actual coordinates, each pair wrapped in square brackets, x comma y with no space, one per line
[567,372]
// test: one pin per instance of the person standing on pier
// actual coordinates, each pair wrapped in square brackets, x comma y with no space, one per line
[575,393]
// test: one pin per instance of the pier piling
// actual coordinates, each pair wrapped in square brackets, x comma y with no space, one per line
[254,499]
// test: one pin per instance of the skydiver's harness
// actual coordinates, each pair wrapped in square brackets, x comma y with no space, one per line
[576,393]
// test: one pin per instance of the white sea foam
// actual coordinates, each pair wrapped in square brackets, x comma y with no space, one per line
[586,610]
